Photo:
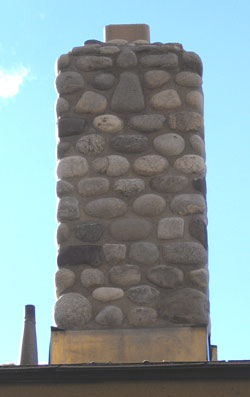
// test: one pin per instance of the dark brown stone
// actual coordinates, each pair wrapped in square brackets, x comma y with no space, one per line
[200,185]
[70,126]
[80,255]
[198,229]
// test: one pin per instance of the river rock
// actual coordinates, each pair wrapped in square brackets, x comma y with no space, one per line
[195,100]
[199,277]
[64,188]
[106,208]
[186,121]
[112,165]
[91,144]
[106,294]
[130,229]
[168,183]
[104,81]
[126,59]
[129,143]
[147,122]
[89,231]
[156,78]
[149,205]
[185,253]
[165,100]
[192,61]
[144,252]
[198,229]
[62,106]
[129,187]
[92,62]
[170,228]
[188,204]
[150,165]
[89,187]
[165,276]
[142,316]
[64,278]
[142,294]
[63,233]
[91,102]
[80,255]
[68,82]
[128,95]
[191,164]
[68,209]
[169,60]
[72,166]
[169,144]
[91,277]
[125,275]
[72,311]
[188,79]
[197,144]
[108,123]
[110,315]
[69,126]
[114,253]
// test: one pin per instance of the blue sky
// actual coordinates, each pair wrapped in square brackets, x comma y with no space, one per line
[32,36]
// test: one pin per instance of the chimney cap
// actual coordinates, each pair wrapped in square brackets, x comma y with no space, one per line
[129,32]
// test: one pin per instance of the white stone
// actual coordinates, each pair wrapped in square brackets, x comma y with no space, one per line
[108,123]
[106,294]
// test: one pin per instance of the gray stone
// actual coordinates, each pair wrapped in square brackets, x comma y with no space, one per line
[129,143]
[128,95]
[129,187]
[63,188]
[186,253]
[185,306]
[106,208]
[93,48]
[169,144]
[108,123]
[170,228]
[64,278]
[188,204]
[91,102]
[114,253]
[168,183]
[166,100]
[165,276]
[63,233]
[63,61]
[72,311]
[106,294]
[192,61]
[80,255]
[142,316]
[68,82]
[199,277]
[91,277]
[142,294]
[169,60]
[198,230]
[91,144]
[149,205]
[130,229]
[198,144]
[109,50]
[126,59]
[90,231]
[89,187]
[69,126]
[186,121]
[62,149]
[147,122]
[92,62]
[191,164]
[125,275]
[103,81]
[72,166]
[112,165]
[188,79]
[150,165]
[144,252]
[156,78]
[62,106]
[110,315]
[68,209]
[119,42]
[195,100]
[200,185]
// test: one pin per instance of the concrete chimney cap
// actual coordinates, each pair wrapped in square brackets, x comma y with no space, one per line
[129,32]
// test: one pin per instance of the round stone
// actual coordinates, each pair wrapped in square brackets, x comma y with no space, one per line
[91,277]
[89,231]
[142,294]
[149,205]
[169,144]
[91,144]
[64,278]
[91,102]
[72,166]
[147,122]
[103,81]
[142,316]
[192,61]
[93,186]
[198,144]
[112,165]
[145,253]
[185,253]
[114,253]
[63,233]
[106,208]
[117,42]
[130,229]
[169,60]
[126,59]
[63,188]
[165,100]
[129,143]
[195,100]
[129,187]
[124,275]
[191,164]
[108,123]
[92,62]
[188,204]
[186,121]
[199,277]
[63,61]
[62,106]
[106,294]
[168,183]
[165,276]
[68,209]
[188,79]
[110,315]
[72,311]
[156,78]
[170,228]
[150,165]
[68,82]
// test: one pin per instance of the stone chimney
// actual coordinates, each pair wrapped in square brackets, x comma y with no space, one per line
[132,283]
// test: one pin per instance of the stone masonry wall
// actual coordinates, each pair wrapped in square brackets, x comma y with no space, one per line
[132,207]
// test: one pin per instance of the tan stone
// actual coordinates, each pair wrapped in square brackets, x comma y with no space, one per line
[164,100]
